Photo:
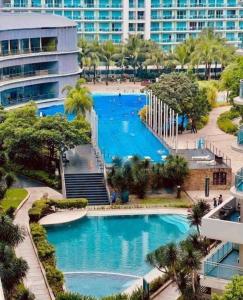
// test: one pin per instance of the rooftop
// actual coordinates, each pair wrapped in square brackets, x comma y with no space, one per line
[202,159]
[12,21]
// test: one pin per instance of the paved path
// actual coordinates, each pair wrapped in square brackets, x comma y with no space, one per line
[170,293]
[212,133]
[62,217]
[34,279]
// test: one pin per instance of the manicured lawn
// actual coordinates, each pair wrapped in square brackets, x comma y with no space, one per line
[163,201]
[13,197]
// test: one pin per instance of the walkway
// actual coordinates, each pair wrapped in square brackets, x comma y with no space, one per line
[34,279]
[81,160]
[212,133]
[170,293]
[62,217]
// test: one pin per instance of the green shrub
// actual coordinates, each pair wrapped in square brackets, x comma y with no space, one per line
[10,212]
[39,209]
[38,232]
[55,279]
[40,175]
[71,203]
[202,122]
[225,121]
[45,250]
[73,296]
[23,293]
[9,179]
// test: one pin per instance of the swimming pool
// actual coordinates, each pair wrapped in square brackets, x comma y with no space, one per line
[120,130]
[107,244]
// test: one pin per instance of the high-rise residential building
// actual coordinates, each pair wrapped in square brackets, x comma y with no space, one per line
[38,57]
[167,22]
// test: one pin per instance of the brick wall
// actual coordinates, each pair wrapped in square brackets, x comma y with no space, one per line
[196,179]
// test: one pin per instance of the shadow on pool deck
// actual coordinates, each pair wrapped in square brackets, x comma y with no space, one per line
[82,159]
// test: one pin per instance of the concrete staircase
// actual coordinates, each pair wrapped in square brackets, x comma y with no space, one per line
[87,185]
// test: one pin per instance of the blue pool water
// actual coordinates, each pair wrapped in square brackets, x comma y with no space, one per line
[114,244]
[120,130]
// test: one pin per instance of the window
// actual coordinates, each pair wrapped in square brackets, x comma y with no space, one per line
[219,178]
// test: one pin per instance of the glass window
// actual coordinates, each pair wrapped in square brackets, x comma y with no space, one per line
[219,178]
[35,44]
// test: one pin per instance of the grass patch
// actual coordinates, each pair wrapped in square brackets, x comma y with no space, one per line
[12,198]
[163,201]
[225,121]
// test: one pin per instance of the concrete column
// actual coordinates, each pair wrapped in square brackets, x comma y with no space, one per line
[176,136]
[156,114]
[125,19]
[170,124]
[147,21]
[241,88]
[164,108]
[241,256]
[150,110]
[173,128]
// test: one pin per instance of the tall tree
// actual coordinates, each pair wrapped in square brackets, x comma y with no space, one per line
[78,99]
[107,54]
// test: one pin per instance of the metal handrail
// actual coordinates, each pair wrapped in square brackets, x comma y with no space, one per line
[27,74]
[27,51]
[62,177]
[29,98]
[218,152]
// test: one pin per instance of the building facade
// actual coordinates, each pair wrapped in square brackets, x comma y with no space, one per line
[38,57]
[225,223]
[167,22]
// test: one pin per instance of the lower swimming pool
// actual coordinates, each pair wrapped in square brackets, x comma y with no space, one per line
[100,255]
[120,130]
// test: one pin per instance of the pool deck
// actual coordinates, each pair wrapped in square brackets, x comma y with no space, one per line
[62,217]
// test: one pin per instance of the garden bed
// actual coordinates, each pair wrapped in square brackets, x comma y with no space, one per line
[12,198]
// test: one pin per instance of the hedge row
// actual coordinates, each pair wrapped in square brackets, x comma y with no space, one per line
[46,253]
[225,121]
[43,207]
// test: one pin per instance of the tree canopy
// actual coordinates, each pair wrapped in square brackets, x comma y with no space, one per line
[182,93]
[39,138]
[233,291]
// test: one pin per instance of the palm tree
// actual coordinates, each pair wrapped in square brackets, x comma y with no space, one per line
[84,49]
[156,58]
[191,262]
[94,55]
[176,170]
[134,53]
[10,234]
[181,55]
[107,54]
[120,58]
[198,210]
[12,269]
[78,99]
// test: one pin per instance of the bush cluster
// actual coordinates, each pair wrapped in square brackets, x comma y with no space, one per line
[225,121]
[43,207]
[43,176]
[46,253]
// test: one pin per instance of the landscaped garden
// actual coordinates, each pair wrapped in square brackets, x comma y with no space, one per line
[32,145]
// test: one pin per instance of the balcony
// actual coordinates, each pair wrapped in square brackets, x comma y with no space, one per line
[222,223]
[21,95]
[37,73]
[221,265]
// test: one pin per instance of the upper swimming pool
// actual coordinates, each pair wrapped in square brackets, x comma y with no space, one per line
[94,252]
[120,130]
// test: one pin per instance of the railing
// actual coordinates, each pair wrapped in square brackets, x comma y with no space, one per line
[240,136]
[216,151]
[239,180]
[62,176]
[19,100]
[213,268]
[27,51]
[43,72]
